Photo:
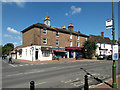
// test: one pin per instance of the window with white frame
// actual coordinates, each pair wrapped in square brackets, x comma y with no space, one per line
[45,53]
[86,38]
[44,40]
[57,34]
[71,43]
[70,36]
[57,42]
[77,37]
[44,31]
[78,44]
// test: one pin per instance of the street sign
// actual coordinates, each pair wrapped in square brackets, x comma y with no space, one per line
[115,52]
[109,24]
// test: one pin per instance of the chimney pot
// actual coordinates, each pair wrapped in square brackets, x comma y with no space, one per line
[63,27]
[70,27]
[102,34]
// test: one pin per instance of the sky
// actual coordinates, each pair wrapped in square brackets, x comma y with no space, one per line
[88,17]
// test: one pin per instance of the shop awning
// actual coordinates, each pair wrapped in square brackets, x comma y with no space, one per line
[74,48]
[59,50]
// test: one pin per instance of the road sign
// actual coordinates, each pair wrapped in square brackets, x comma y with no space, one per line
[109,24]
[115,52]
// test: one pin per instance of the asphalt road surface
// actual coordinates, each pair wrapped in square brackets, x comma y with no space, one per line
[54,75]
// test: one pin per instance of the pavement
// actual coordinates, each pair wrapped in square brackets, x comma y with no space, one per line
[107,86]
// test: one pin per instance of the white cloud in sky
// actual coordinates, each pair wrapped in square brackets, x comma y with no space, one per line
[19,3]
[15,44]
[75,10]
[66,14]
[21,41]
[6,35]
[12,30]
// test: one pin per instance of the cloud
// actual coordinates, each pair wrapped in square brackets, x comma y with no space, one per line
[66,14]
[12,30]
[21,41]
[6,35]
[19,3]
[18,37]
[15,43]
[75,10]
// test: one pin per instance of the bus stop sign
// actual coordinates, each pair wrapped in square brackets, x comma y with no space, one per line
[115,52]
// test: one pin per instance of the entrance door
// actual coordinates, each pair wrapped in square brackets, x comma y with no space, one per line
[36,55]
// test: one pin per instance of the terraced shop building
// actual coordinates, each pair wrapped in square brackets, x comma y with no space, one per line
[43,42]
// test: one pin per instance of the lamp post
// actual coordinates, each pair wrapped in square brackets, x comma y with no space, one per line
[113,33]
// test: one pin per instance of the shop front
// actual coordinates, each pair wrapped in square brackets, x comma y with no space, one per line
[59,52]
[73,52]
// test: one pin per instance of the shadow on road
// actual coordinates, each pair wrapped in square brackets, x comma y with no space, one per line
[97,79]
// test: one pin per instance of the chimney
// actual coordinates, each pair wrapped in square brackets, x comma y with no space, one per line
[70,27]
[102,34]
[78,31]
[63,27]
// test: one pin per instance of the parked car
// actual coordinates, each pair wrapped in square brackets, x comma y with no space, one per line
[109,57]
[102,57]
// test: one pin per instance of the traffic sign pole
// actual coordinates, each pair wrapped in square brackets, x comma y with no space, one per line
[114,65]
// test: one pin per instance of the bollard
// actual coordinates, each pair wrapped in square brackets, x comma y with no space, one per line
[32,87]
[86,87]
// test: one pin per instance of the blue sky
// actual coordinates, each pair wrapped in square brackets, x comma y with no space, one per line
[88,17]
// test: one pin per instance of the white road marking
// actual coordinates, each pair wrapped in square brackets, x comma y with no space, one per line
[26,73]
[40,83]
[4,61]
[11,65]
[20,65]
[31,64]
[26,64]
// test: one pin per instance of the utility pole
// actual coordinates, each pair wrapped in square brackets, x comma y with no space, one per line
[113,33]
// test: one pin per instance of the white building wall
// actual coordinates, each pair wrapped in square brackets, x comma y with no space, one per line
[28,53]
[106,46]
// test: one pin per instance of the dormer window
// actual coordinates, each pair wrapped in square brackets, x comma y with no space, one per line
[44,31]
[77,37]
[70,36]
[57,34]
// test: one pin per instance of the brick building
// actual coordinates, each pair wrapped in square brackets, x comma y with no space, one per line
[46,42]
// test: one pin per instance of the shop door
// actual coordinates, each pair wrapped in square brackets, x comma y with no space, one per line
[70,54]
[36,55]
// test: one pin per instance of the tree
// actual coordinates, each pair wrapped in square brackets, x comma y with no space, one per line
[0,50]
[7,48]
[89,49]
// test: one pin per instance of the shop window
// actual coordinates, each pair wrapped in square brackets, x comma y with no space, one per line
[57,42]
[44,31]
[57,34]
[26,52]
[70,36]
[71,44]
[78,44]
[45,53]
[44,41]
[77,37]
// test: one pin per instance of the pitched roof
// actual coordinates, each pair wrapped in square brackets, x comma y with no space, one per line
[39,25]
[100,39]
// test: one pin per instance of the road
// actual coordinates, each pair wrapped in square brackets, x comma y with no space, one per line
[54,75]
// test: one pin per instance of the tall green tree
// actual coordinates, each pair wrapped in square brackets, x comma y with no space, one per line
[89,49]
[0,50]
[6,49]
